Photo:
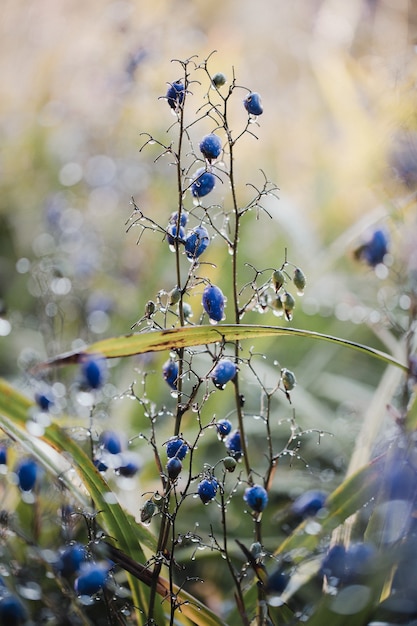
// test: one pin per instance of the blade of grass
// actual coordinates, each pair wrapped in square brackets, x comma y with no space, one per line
[176,338]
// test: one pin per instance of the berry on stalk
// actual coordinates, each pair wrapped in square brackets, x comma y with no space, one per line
[211,147]
[213,303]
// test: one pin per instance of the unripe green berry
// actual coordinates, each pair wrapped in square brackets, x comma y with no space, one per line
[288,379]
[218,79]
[229,463]
[174,296]
[278,279]
[150,307]
[148,511]
[299,279]
[288,304]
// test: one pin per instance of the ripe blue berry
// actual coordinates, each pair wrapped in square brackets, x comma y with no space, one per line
[93,371]
[3,455]
[27,473]
[207,489]
[213,303]
[129,465]
[172,235]
[224,371]
[71,559]
[309,503]
[234,444]
[376,248]
[183,219]
[175,95]
[92,578]
[277,582]
[176,447]
[196,242]
[12,612]
[203,183]
[111,441]
[174,467]
[253,104]
[170,373]
[224,427]
[256,497]
[211,147]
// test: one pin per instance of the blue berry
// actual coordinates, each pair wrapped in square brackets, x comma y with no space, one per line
[176,447]
[27,473]
[100,465]
[277,582]
[196,242]
[93,371]
[71,559]
[170,373]
[203,183]
[172,234]
[376,248]
[224,371]
[207,489]
[183,219]
[92,578]
[44,400]
[224,427]
[12,612]
[234,444]
[111,441]
[175,95]
[3,455]
[211,147]
[129,465]
[334,563]
[213,303]
[174,467]
[256,497]
[349,565]
[309,503]
[253,104]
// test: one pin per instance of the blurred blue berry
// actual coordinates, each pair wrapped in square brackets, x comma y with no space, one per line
[349,565]
[175,95]
[100,465]
[129,464]
[213,302]
[176,447]
[172,234]
[111,441]
[3,455]
[174,218]
[196,242]
[211,147]
[93,371]
[12,611]
[44,399]
[207,489]
[374,250]
[276,582]
[71,559]
[334,563]
[27,473]
[174,467]
[92,578]
[256,497]
[224,371]
[308,503]
[203,183]
[233,444]
[253,104]
[224,428]
[170,373]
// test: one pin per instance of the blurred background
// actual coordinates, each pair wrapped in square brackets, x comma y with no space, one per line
[80,82]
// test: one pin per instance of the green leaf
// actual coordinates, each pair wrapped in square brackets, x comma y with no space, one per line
[187,336]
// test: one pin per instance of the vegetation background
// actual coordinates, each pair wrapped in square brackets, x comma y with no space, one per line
[80,81]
